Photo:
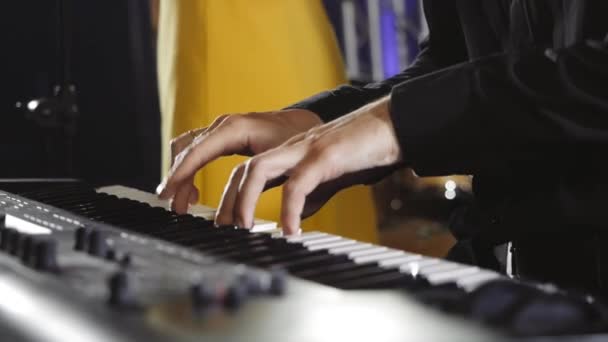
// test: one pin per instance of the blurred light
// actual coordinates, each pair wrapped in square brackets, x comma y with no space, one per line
[450,185]
[32,105]
[450,194]
[414,269]
[396,204]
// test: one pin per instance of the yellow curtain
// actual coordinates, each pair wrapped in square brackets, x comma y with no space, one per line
[234,56]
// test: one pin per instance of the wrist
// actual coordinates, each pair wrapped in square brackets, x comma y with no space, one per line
[381,111]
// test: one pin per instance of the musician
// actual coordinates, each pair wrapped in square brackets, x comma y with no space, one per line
[510,91]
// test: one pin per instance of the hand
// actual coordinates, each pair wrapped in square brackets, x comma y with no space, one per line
[245,134]
[357,148]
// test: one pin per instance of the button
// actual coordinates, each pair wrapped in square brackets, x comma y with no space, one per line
[278,281]
[45,255]
[81,238]
[203,295]
[98,246]
[119,290]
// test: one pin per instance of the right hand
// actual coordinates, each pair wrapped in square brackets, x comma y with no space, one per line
[244,134]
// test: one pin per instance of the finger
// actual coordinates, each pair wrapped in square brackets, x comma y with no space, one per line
[225,139]
[224,212]
[188,187]
[273,183]
[304,178]
[181,200]
[258,171]
[194,195]
[181,142]
[183,194]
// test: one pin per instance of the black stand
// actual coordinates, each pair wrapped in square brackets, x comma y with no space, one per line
[58,114]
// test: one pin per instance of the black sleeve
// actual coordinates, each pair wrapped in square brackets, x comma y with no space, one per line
[510,109]
[443,47]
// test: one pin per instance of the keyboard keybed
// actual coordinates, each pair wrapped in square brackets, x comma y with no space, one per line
[323,258]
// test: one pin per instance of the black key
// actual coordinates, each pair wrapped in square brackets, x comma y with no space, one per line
[170,225]
[236,243]
[331,269]
[382,281]
[292,254]
[211,234]
[343,277]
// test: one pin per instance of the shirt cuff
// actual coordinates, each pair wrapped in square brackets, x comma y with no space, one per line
[439,122]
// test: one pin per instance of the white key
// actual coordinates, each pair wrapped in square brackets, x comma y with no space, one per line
[414,266]
[450,276]
[396,262]
[377,257]
[305,237]
[263,226]
[441,267]
[153,200]
[330,245]
[275,233]
[348,249]
[374,250]
[475,280]
[330,238]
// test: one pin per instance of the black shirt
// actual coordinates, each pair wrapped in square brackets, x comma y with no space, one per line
[514,92]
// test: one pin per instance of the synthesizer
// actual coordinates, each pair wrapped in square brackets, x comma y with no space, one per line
[114,264]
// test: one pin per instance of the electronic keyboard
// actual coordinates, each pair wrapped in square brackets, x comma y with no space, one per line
[113,263]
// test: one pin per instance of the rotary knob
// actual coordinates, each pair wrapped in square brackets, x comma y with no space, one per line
[28,249]
[203,295]
[98,245]
[235,296]
[278,281]
[4,232]
[253,283]
[10,238]
[81,238]
[14,243]
[45,255]
[119,288]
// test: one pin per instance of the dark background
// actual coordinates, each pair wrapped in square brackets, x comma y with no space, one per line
[113,68]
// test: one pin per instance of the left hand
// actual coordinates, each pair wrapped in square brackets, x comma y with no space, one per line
[358,148]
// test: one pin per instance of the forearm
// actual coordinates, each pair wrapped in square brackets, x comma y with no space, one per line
[345,99]
[486,115]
